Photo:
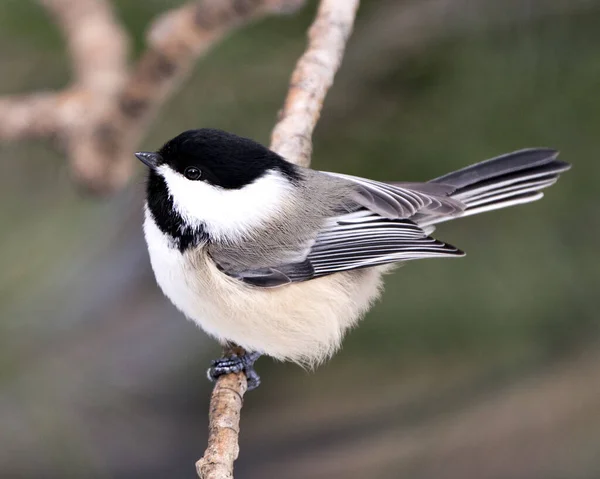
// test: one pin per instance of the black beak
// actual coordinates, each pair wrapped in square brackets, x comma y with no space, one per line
[151,160]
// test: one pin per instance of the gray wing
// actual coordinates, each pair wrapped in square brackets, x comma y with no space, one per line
[377,231]
[364,239]
[391,221]
[404,200]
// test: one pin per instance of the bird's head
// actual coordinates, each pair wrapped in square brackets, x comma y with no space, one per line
[215,180]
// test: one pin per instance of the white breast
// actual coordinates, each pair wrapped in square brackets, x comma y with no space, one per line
[170,268]
[302,322]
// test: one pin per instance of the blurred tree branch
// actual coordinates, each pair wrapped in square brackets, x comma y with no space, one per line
[98,49]
[291,138]
[102,116]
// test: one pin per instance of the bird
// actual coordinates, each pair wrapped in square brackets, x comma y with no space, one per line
[283,260]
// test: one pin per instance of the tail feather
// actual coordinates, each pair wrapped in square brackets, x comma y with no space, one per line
[498,194]
[507,180]
[498,166]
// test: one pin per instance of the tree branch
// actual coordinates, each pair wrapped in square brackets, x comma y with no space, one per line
[98,48]
[39,115]
[97,43]
[102,117]
[224,428]
[311,79]
[102,157]
[291,138]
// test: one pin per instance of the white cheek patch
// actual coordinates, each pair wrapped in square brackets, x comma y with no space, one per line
[226,214]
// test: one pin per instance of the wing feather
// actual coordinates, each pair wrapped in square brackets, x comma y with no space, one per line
[389,222]
[371,241]
[404,200]
[378,232]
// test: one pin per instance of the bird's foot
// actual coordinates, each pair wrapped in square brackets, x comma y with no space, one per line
[235,364]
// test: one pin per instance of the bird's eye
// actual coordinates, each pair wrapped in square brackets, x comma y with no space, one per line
[192,173]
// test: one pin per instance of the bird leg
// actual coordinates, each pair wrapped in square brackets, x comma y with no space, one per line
[234,364]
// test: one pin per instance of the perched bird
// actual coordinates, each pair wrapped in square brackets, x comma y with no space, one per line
[283,260]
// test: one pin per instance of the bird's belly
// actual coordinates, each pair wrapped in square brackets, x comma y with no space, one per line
[302,322]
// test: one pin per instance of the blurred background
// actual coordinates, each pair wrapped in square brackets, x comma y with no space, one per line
[486,366]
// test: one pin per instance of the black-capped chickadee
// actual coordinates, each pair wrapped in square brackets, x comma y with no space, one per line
[283,260]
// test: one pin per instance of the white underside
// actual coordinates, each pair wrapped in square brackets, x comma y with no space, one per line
[301,322]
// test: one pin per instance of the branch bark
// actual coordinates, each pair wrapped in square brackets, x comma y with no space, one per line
[103,115]
[102,156]
[311,80]
[97,43]
[224,427]
[98,48]
[291,138]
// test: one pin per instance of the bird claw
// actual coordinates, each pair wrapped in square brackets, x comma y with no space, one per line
[236,364]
